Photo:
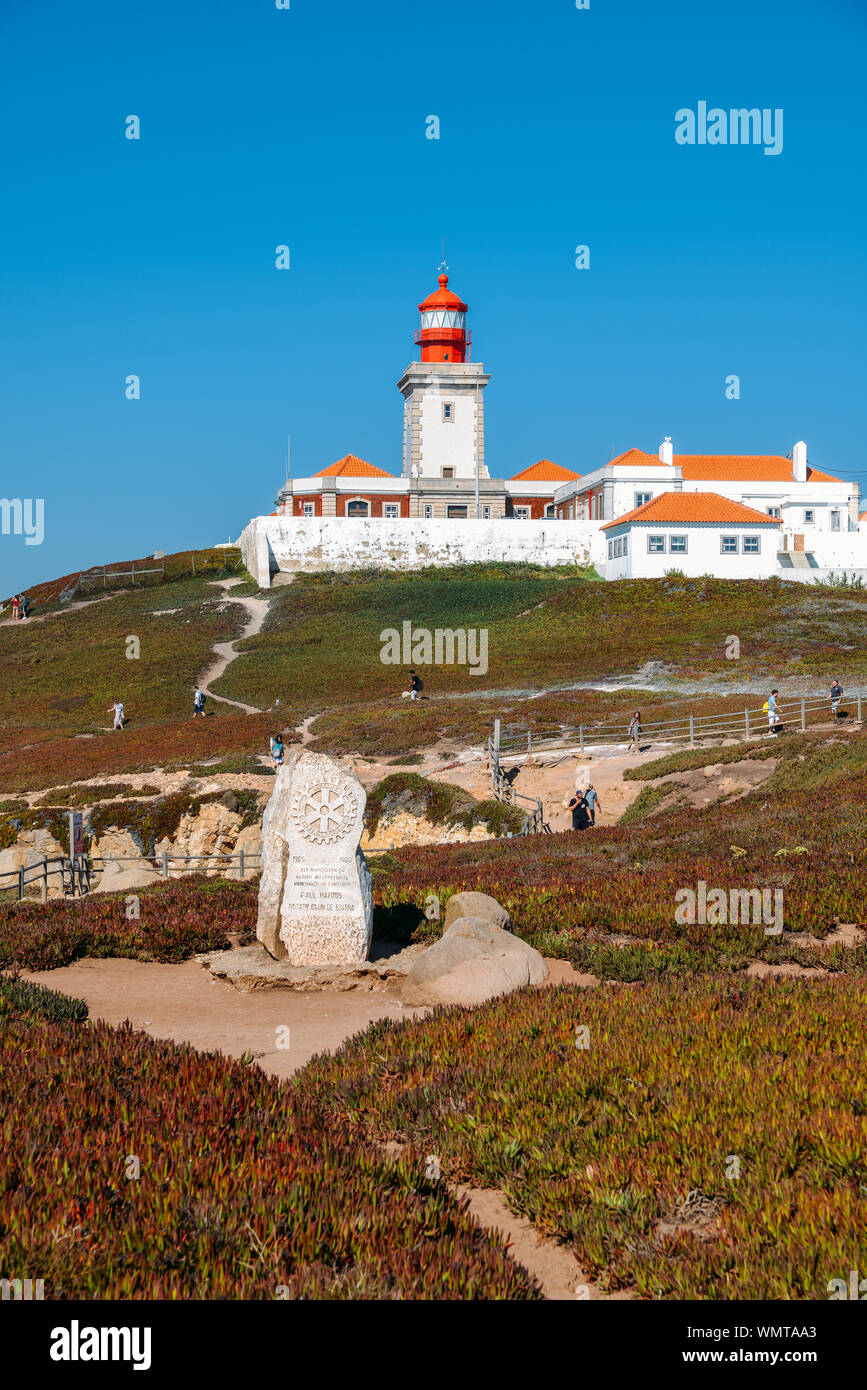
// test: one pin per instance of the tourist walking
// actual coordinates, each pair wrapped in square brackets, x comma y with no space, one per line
[592,802]
[634,732]
[277,749]
[16,606]
[117,710]
[24,605]
[773,714]
[580,812]
[836,697]
[415,686]
[198,702]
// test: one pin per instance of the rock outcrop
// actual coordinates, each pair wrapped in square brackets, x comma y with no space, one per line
[473,961]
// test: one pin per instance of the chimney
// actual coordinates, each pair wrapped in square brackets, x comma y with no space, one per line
[666,454]
[799,462]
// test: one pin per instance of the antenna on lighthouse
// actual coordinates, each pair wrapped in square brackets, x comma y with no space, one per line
[442,265]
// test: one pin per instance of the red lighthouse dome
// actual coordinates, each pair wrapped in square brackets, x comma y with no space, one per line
[443,334]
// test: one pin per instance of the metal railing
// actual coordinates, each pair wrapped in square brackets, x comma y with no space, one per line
[743,724]
[77,875]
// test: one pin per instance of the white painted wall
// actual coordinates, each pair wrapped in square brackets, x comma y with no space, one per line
[448,443]
[703,556]
[298,544]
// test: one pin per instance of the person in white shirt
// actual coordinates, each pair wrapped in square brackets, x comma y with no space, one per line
[117,708]
[773,715]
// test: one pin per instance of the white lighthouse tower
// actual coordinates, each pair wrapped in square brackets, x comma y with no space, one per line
[443,411]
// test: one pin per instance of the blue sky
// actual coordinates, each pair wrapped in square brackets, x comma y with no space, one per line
[306,127]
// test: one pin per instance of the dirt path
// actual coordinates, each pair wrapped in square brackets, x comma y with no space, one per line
[225,651]
[60,613]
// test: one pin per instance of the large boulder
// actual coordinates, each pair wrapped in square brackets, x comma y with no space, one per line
[473,961]
[120,878]
[476,905]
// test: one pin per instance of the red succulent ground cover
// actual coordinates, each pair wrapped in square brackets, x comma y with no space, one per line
[176,921]
[702,1139]
[139,750]
[241,1190]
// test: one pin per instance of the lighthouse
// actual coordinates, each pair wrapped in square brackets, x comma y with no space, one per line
[443,409]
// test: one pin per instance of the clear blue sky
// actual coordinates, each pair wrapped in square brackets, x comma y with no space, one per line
[307,127]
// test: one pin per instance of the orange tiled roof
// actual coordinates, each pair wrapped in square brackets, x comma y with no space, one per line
[760,468]
[695,506]
[544,472]
[636,458]
[352,467]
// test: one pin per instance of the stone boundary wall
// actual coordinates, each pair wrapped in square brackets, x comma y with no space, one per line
[274,544]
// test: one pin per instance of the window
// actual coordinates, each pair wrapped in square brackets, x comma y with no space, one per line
[549,510]
[611,550]
[677,545]
[752,545]
[358,508]
[835,521]
[486,513]
[448,472]
[309,509]
[617,548]
[656,545]
[728,545]
[642,497]
[522,513]
[456,512]
[773,511]
[809,517]
[428,511]
[391,509]
[448,411]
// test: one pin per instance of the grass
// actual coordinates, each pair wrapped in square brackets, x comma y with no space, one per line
[321,644]
[720,1156]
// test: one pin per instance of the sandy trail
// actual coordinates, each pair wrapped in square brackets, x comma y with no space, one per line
[60,612]
[225,651]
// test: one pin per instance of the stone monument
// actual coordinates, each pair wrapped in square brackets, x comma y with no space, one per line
[315,901]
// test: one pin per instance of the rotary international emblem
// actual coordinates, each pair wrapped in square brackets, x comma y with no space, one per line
[323,810]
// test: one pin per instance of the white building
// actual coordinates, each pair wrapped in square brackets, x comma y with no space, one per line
[806,500]
[695,532]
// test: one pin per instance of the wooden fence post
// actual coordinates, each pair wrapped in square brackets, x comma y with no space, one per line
[165,863]
[497,735]
[193,553]
[692,731]
[747,723]
[44,878]
[529,744]
[859,707]
[581,737]
[240,863]
[21,883]
[803,714]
